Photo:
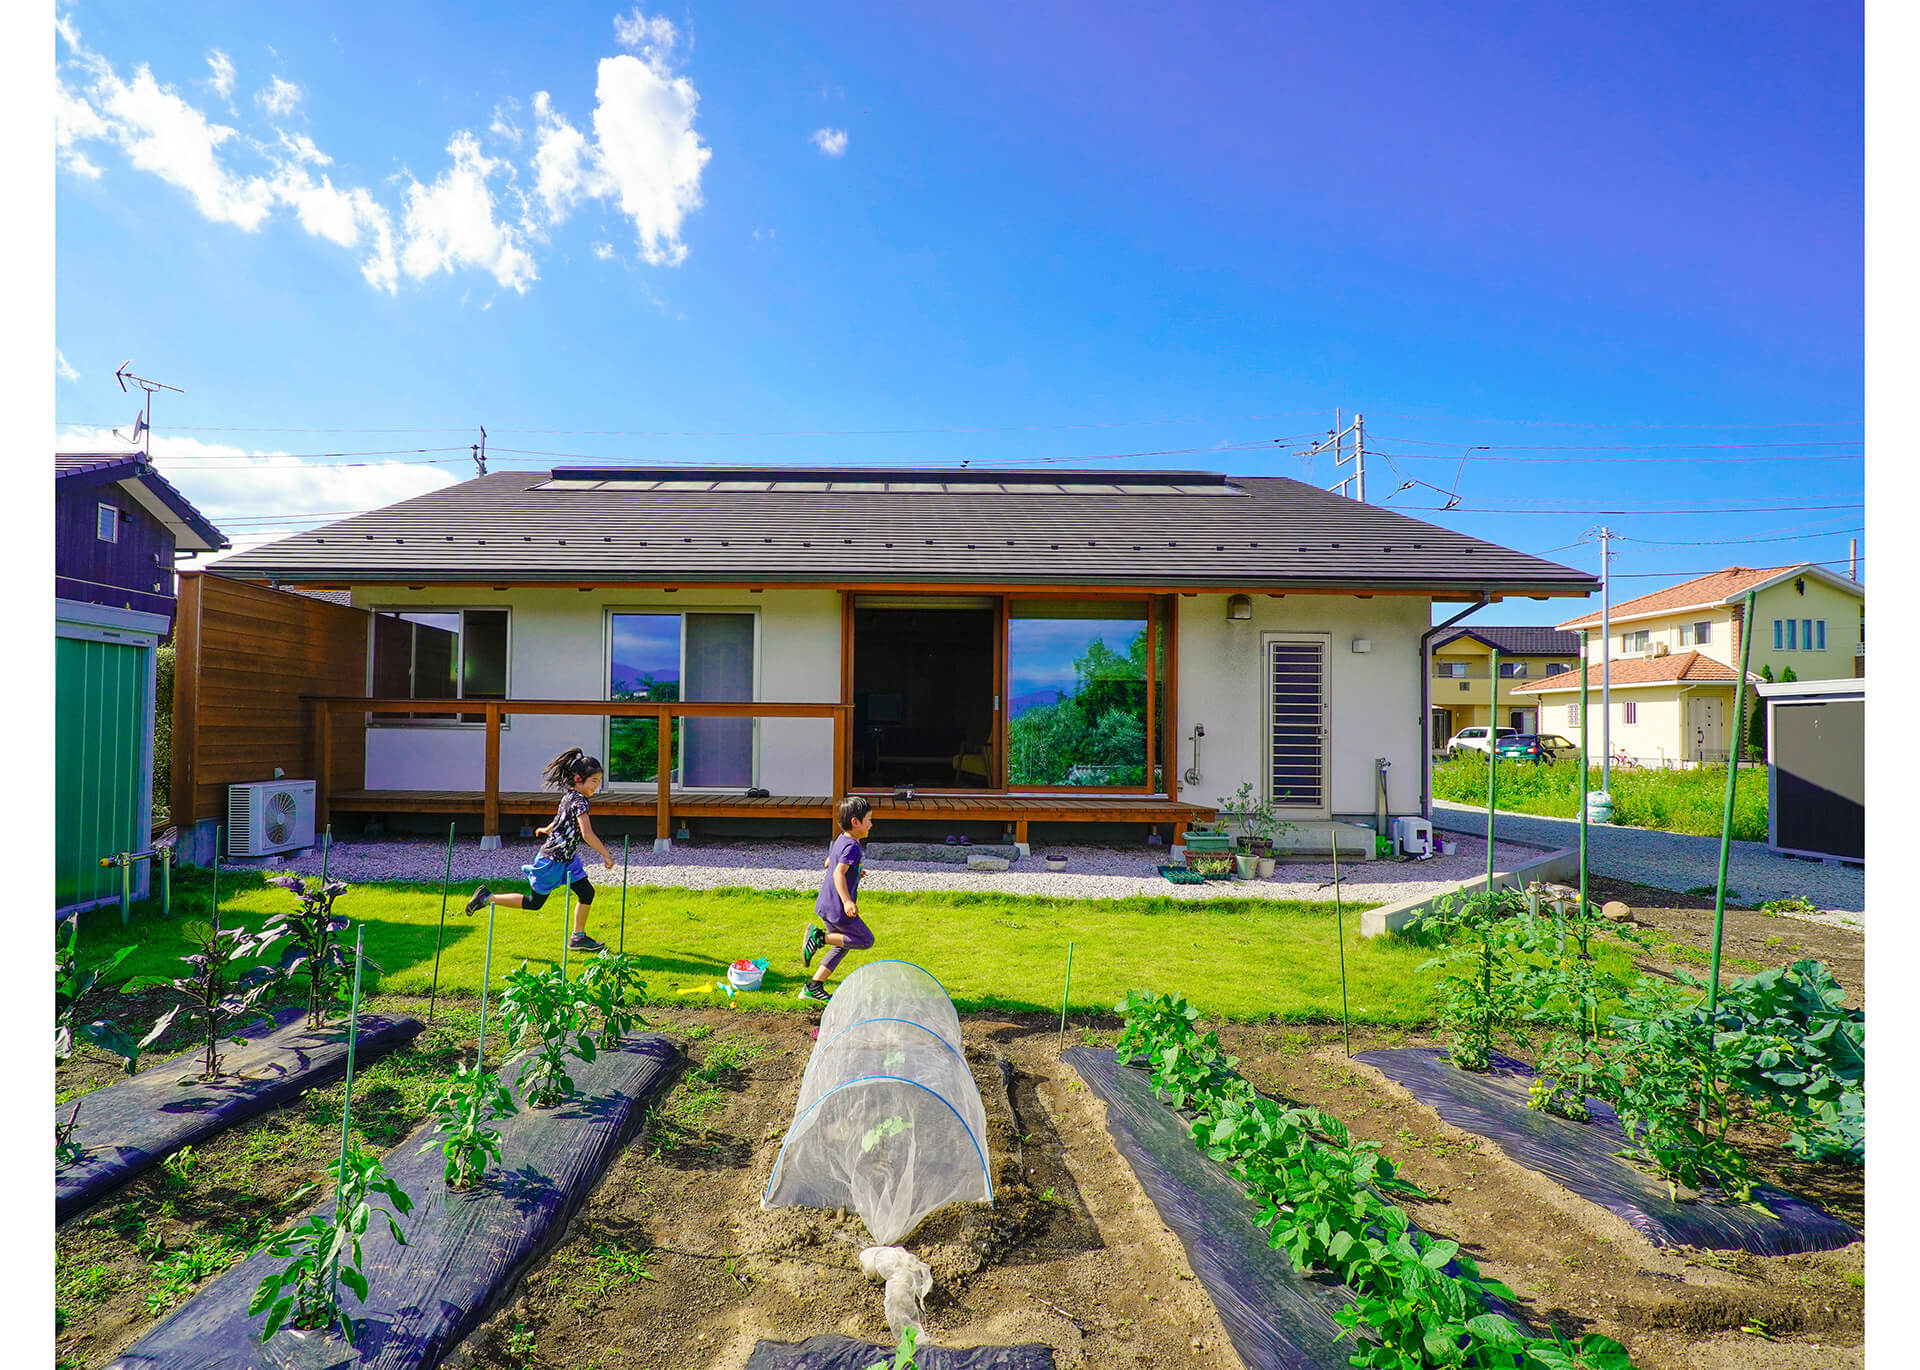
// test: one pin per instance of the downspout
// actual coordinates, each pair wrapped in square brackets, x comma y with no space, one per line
[1426,704]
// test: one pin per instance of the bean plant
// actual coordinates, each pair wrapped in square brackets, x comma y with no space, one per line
[546,1012]
[1420,1303]
[318,952]
[323,1251]
[212,993]
[462,1109]
[613,989]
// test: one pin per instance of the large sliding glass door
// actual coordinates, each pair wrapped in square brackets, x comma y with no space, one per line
[665,657]
[1078,700]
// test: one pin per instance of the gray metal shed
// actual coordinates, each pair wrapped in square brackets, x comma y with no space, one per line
[1817,768]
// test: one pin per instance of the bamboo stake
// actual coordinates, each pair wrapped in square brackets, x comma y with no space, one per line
[1493,755]
[1586,776]
[353,1040]
[626,844]
[1065,990]
[1340,939]
[566,932]
[439,937]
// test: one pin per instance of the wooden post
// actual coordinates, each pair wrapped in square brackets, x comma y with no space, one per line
[490,813]
[186,700]
[662,816]
[322,761]
[842,764]
[1170,628]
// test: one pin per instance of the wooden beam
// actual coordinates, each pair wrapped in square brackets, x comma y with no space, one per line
[662,816]
[1172,621]
[1153,635]
[490,812]
[186,699]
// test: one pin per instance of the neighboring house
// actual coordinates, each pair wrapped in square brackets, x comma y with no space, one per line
[1462,690]
[1675,656]
[117,527]
[1054,646]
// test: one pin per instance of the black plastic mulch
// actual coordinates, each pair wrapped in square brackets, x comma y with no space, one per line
[835,1352]
[128,1126]
[465,1248]
[1580,1157]
[1277,1319]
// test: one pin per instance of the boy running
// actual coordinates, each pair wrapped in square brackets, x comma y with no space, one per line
[836,905]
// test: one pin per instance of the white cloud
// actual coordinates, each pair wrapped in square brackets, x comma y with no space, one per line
[222,78]
[653,39]
[300,148]
[279,98]
[62,367]
[604,251]
[506,121]
[450,224]
[831,141]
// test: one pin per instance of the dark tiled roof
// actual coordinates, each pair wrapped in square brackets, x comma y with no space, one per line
[877,526]
[340,597]
[102,467]
[1518,641]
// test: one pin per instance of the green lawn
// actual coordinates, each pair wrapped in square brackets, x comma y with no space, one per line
[1689,801]
[1242,959]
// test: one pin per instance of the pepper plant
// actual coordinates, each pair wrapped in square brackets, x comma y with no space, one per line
[318,952]
[462,1109]
[214,992]
[545,1012]
[612,988]
[323,1251]
[1479,1004]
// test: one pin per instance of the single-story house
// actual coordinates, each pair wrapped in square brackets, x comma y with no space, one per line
[1462,692]
[1047,646]
[118,525]
[1674,657]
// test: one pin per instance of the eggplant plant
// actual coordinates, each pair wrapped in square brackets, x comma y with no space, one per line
[613,989]
[214,992]
[546,1012]
[462,1109]
[323,1251]
[318,952]
[72,983]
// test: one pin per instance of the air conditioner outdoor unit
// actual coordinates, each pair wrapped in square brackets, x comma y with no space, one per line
[1662,649]
[269,816]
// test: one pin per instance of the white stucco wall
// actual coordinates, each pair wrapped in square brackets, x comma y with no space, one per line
[1374,698]
[557,649]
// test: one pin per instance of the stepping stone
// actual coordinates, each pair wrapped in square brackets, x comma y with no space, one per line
[987,863]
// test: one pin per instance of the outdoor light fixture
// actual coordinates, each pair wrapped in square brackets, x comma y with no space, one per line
[1362,645]
[1239,606]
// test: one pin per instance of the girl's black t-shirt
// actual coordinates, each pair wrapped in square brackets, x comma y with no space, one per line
[563,834]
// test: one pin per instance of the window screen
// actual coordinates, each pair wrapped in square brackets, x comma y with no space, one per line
[106,523]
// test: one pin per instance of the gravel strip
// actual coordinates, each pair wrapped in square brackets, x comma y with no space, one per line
[1680,861]
[1092,872]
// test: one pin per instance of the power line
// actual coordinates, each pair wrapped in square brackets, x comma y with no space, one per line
[1629,461]
[1630,447]
[1640,509]
[1648,575]
[1742,542]
[1574,423]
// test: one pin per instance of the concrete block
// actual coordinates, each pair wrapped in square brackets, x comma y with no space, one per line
[1553,865]
[491,843]
[987,863]
[663,844]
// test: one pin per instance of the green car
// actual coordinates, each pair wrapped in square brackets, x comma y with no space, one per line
[1535,747]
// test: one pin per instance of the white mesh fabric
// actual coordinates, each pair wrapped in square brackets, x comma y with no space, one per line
[888,1122]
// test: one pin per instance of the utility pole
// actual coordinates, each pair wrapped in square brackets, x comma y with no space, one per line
[480,452]
[1606,667]
[1359,457]
[1336,442]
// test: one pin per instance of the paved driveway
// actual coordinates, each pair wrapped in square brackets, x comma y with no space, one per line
[1677,861]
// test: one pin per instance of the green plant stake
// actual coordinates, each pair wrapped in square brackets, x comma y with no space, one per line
[566,928]
[166,880]
[1726,828]
[326,852]
[1585,775]
[353,1041]
[1065,990]
[626,844]
[1493,754]
[1340,939]
[486,981]
[219,841]
[440,936]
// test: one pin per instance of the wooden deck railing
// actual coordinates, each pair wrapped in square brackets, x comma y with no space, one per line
[494,710]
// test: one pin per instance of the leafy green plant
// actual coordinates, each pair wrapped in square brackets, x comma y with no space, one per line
[1798,1051]
[212,993]
[545,1012]
[318,952]
[324,1253]
[904,1355]
[613,989]
[1793,903]
[177,1274]
[1563,993]
[72,983]
[461,1110]
[1479,1003]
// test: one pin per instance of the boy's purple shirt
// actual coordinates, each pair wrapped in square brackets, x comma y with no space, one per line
[845,851]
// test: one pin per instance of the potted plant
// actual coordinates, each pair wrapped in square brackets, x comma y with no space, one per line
[1246,865]
[1240,812]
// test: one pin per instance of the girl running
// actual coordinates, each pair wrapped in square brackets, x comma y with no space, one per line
[576,775]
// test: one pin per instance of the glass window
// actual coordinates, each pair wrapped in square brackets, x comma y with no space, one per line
[1779,642]
[1573,715]
[644,663]
[1452,670]
[1630,712]
[1513,670]
[106,523]
[439,654]
[1806,635]
[1821,624]
[1639,641]
[1793,633]
[664,658]
[1077,692]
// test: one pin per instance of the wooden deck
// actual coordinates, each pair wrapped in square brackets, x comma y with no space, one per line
[625,802]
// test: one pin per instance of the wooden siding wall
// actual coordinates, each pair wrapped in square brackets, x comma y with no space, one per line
[134,573]
[245,656]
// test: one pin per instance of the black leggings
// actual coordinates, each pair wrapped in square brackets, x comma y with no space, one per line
[582,890]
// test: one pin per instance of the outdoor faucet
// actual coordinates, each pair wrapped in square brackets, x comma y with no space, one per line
[1192,777]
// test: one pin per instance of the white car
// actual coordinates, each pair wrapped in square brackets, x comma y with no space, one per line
[1476,739]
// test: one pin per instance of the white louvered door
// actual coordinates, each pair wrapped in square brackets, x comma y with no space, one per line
[1299,738]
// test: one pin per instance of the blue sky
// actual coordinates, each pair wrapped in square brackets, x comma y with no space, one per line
[1629,237]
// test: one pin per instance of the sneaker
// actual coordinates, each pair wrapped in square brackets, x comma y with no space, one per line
[815,993]
[810,944]
[581,942]
[479,900]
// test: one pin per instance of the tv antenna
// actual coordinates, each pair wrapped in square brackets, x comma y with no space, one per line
[143,422]
[479,450]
